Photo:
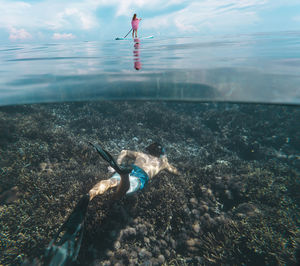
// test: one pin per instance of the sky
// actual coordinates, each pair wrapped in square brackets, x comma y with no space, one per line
[90,20]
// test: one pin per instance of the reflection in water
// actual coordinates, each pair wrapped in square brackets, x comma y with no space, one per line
[136,54]
[246,68]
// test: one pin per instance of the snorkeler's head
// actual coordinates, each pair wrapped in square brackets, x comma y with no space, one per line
[155,149]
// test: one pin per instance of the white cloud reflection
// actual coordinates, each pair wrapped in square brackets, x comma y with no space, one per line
[18,34]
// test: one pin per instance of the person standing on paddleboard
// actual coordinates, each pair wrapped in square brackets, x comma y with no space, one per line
[135,24]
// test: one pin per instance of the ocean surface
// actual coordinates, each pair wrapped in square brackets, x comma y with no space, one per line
[224,109]
[243,68]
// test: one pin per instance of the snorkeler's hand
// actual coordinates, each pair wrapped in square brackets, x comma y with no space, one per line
[170,168]
[174,171]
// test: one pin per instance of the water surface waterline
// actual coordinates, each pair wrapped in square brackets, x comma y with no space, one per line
[245,68]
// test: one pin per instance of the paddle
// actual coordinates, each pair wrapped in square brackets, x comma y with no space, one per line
[127,33]
[124,37]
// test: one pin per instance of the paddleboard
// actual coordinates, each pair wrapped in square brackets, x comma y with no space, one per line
[142,38]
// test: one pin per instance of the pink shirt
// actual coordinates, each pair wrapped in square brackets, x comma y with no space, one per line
[135,24]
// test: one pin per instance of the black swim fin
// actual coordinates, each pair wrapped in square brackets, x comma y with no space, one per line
[64,250]
[107,157]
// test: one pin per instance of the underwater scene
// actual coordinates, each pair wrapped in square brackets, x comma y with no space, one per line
[151,152]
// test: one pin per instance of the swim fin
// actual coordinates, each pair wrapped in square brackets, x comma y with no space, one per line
[107,157]
[64,250]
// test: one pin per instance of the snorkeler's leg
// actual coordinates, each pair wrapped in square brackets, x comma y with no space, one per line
[123,187]
[124,153]
[123,172]
[102,186]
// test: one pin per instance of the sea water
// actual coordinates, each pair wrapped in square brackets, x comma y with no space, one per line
[243,68]
[226,111]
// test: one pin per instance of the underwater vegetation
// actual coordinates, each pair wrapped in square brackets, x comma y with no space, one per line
[236,200]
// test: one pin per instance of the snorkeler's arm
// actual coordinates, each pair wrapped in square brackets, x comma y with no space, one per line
[170,168]
[125,153]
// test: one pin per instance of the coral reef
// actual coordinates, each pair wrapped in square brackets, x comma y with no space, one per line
[236,200]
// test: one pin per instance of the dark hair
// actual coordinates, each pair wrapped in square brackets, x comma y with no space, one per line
[134,17]
[155,149]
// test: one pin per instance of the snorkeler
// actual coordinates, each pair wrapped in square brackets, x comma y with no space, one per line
[135,25]
[131,180]
[65,246]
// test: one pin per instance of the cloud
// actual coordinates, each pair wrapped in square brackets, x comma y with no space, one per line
[72,17]
[48,14]
[125,8]
[87,18]
[18,34]
[63,36]
[66,14]
[210,15]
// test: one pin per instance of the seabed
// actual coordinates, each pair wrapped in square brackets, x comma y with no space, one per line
[235,202]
